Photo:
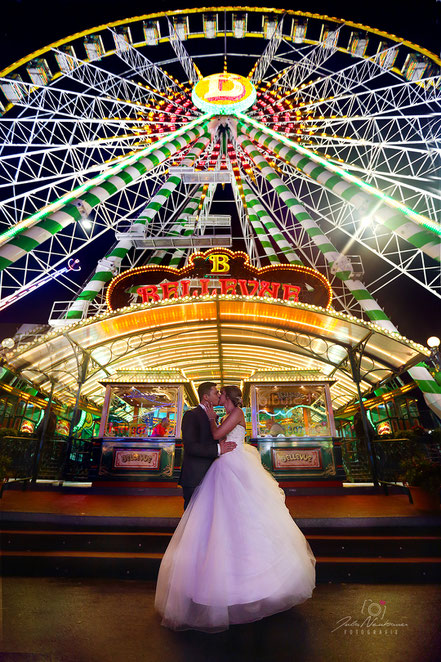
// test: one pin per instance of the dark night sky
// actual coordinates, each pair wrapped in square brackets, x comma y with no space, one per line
[27,25]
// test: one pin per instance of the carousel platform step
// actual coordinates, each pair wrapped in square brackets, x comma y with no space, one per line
[143,565]
[158,488]
[156,541]
[402,554]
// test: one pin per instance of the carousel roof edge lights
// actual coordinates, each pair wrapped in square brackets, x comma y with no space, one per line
[224,339]
[144,376]
[316,376]
[138,307]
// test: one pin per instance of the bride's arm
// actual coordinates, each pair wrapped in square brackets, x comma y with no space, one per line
[227,425]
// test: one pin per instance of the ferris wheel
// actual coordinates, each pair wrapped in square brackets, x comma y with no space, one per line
[328,155]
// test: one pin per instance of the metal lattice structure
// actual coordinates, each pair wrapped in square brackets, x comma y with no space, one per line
[337,160]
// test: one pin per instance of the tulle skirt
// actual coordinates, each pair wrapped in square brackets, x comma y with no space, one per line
[237,555]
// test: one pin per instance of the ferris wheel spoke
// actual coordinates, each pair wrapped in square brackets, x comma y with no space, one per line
[45,132]
[311,232]
[42,263]
[407,128]
[21,204]
[68,242]
[56,102]
[339,83]
[413,171]
[191,71]
[388,246]
[107,83]
[301,240]
[299,72]
[140,65]
[384,132]
[418,231]
[260,67]
[62,173]
[339,215]
[380,102]
[26,237]
[57,163]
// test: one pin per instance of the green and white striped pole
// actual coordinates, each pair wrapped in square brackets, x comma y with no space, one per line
[179,229]
[107,266]
[356,287]
[399,219]
[264,226]
[430,388]
[165,192]
[420,374]
[29,235]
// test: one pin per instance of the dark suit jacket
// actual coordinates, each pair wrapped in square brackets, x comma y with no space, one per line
[200,449]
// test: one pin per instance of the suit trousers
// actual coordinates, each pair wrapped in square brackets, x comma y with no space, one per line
[187,493]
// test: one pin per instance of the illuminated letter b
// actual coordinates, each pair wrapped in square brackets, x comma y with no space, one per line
[220,264]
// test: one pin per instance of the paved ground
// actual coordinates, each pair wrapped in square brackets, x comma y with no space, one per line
[59,620]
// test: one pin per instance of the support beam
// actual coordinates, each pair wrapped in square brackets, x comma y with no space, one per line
[370,307]
[191,71]
[140,65]
[429,387]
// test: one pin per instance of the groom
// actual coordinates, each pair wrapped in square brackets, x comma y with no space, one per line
[200,449]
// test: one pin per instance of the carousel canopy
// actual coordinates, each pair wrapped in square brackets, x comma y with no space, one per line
[222,338]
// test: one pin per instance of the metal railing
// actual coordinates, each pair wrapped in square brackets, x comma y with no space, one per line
[20,457]
[20,454]
[389,453]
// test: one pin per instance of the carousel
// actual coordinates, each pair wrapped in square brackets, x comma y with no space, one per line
[251,187]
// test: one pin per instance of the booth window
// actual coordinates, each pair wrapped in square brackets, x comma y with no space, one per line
[292,411]
[142,411]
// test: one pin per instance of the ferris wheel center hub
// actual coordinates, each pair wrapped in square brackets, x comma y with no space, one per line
[224,94]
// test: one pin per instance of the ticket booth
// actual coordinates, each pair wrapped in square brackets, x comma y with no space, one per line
[140,429]
[292,423]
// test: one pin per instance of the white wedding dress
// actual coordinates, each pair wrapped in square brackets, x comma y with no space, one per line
[236,555]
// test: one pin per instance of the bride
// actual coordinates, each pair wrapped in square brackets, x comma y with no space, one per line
[236,556]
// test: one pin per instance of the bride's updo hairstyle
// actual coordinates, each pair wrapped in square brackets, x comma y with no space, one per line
[234,394]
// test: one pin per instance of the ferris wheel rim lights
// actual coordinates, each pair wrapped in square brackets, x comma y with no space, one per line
[198,10]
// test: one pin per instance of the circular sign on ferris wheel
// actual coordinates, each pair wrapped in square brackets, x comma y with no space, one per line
[223,94]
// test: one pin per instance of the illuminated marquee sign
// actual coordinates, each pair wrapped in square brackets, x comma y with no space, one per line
[219,271]
[223,94]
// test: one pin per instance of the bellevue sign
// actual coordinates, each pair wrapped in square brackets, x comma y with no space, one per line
[219,271]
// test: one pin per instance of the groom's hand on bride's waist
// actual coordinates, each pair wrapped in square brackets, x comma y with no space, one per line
[227,446]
